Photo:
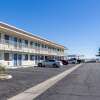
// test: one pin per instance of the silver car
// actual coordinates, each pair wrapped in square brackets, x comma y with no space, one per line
[72,61]
[50,63]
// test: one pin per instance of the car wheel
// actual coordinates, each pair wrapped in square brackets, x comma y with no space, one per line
[40,65]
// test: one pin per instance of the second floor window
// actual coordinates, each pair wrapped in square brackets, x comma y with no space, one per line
[31,44]
[20,42]
[26,43]
[36,44]
[42,46]
[6,37]
[0,37]
[15,39]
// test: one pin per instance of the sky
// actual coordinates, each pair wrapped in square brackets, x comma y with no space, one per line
[72,23]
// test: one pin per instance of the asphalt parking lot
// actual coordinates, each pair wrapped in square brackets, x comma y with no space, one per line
[81,84]
[24,78]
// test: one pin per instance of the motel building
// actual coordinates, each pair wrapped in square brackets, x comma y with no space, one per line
[19,48]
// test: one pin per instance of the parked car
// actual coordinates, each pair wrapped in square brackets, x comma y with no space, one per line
[50,63]
[79,61]
[64,62]
[72,61]
[75,61]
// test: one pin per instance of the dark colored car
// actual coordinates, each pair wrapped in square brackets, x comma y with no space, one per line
[79,61]
[64,62]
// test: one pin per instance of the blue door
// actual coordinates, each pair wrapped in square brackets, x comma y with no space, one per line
[15,59]
[19,59]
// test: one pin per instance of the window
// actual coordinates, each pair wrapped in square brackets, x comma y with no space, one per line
[1,56]
[6,38]
[42,58]
[6,56]
[42,46]
[45,46]
[20,43]
[31,44]
[58,49]
[36,57]
[15,39]
[0,37]
[36,44]
[39,57]
[26,57]
[26,43]
[15,42]
[31,57]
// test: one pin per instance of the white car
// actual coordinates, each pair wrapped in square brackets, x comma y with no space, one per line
[50,63]
[72,61]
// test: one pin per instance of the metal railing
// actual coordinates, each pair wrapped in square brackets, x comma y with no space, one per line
[20,47]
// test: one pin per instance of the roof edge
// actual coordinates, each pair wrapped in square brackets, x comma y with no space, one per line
[29,33]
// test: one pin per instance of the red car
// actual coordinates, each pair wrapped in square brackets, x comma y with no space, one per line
[64,62]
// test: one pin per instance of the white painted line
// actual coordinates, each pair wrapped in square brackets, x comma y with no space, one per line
[35,91]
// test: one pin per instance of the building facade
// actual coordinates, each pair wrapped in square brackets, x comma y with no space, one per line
[21,48]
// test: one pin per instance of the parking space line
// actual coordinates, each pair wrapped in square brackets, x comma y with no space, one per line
[37,90]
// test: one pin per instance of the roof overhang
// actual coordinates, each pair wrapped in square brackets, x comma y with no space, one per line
[28,34]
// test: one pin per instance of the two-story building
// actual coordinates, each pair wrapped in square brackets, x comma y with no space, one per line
[21,48]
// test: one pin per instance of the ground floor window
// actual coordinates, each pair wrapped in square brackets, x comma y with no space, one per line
[6,56]
[36,57]
[0,37]
[0,56]
[39,57]
[26,57]
[42,58]
[31,57]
